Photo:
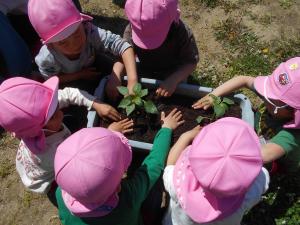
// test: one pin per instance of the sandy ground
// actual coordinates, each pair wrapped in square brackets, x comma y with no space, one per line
[269,19]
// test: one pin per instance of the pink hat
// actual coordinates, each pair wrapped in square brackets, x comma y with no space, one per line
[213,174]
[151,20]
[54,20]
[26,107]
[89,166]
[284,85]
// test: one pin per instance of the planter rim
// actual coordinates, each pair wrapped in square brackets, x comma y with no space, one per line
[185,89]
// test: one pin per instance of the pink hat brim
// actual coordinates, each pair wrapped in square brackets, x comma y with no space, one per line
[259,87]
[52,84]
[67,31]
[201,205]
[90,209]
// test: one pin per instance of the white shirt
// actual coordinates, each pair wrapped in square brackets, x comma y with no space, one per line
[37,170]
[176,215]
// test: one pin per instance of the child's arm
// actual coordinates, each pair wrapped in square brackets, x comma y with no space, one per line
[228,87]
[74,96]
[106,40]
[168,86]
[271,152]
[153,165]
[184,140]
[130,66]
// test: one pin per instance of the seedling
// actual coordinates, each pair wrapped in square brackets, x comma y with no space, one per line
[220,106]
[135,101]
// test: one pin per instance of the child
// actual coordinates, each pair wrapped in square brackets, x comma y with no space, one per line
[89,170]
[279,118]
[164,45]
[216,179]
[72,44]
[31,110]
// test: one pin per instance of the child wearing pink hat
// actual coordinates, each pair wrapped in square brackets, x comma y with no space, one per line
[164,45]
[89,171]
[216,179]
[31,110]
[278,118]
[72,44]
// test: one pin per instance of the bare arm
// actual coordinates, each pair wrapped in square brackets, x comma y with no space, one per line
[184,140]
[228,87]
[271,152]
[130,66]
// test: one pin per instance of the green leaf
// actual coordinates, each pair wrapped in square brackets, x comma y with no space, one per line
[216,100]
[130,109]
[125,102]
[199,119]
[123,90]
[138,101]
[150,107]
[137,89]
[228,101]
[220,110]
[144,92]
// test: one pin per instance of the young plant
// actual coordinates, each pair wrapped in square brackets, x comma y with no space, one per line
[135,101]
[220,106]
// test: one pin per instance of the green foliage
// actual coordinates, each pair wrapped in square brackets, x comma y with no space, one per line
[135,101]
[220,106]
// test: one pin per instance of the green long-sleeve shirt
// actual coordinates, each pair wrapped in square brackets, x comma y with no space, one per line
[134,190]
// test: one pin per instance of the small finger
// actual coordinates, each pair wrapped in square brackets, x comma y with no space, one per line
[162,115]
[173,112]
[127,131]
[178,113]
[180,122]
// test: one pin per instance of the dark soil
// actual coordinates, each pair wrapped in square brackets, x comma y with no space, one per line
[146,126]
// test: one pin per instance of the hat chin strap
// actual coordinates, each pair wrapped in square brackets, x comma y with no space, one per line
[268,100]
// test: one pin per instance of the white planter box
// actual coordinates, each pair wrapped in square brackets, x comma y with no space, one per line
[184,89]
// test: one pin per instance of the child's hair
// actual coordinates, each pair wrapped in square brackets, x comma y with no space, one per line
[99,158]
[151,20]
[26,107]
[284,85]
[55,20]
[212,176]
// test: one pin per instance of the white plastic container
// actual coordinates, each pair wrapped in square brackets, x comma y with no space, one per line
[184,89]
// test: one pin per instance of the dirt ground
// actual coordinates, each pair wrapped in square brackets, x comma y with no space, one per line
[234,37]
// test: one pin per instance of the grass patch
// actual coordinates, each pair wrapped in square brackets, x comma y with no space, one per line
[280,205]
[286,4]
[5,169]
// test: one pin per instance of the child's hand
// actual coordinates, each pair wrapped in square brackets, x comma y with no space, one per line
[166,88]
[130,86]
[204,103]
[106,111]
[173,120]
[191,134]
[123,126]
[111,87]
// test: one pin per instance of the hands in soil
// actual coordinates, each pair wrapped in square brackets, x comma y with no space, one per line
[124,126]
[205,103]
[106,111]
[166,88]
[173,120]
